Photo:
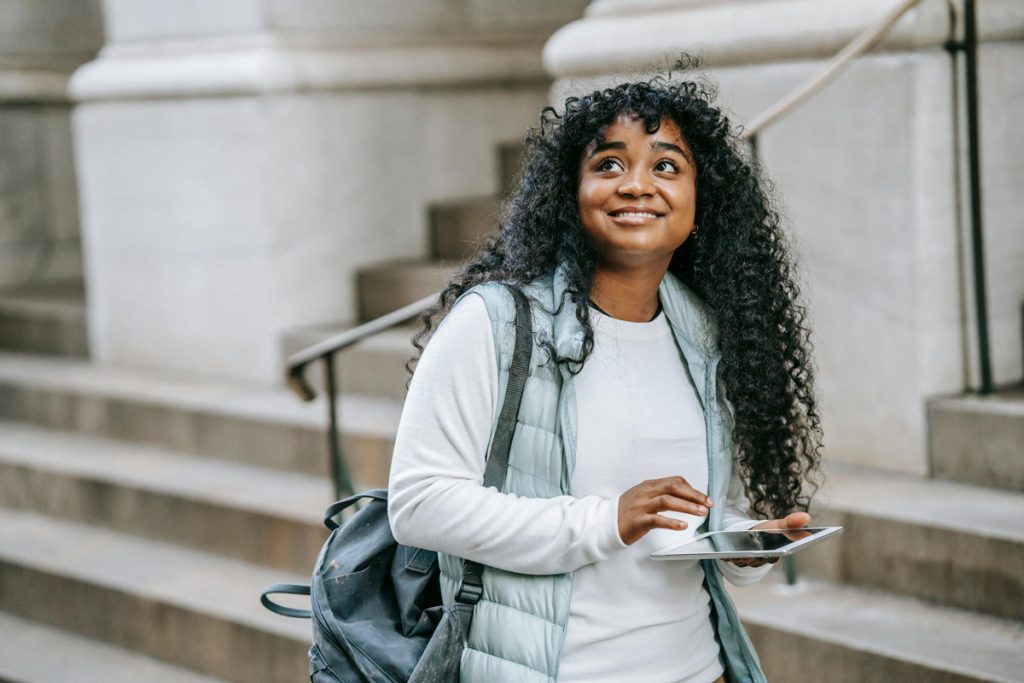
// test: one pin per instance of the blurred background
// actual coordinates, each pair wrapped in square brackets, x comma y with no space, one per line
[193,192]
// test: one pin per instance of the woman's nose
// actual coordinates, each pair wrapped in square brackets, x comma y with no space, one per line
[636,183]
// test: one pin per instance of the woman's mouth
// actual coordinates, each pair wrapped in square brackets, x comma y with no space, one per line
[633,217]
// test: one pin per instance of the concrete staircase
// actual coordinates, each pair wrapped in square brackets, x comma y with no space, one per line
[142,512]
[927,581]
[925,584]
[979,440]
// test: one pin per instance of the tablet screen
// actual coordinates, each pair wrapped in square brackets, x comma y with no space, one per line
[750,543]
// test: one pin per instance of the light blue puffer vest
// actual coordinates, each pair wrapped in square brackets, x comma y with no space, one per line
[520,623]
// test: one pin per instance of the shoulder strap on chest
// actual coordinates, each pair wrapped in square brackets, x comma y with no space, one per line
[497,459]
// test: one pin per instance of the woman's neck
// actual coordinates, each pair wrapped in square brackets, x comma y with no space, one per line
[630,295]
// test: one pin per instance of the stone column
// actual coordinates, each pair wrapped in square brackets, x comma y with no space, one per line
[238,160]
[41,43]
[867,172]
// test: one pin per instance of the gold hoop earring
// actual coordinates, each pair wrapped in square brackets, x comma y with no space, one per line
[695,229]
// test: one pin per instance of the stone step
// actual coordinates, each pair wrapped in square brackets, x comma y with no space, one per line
[253,514]
[954,544]
[45,318]
[458,228]
[386,287]
[34,653]
[979,439]
[374,367]
[179,605]
[252,423]
[817,631]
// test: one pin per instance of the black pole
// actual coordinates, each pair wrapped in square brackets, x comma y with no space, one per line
[789,565]
[974,174]
[755,153]
[339,473]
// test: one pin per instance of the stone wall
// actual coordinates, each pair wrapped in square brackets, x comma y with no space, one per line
[41,42]
[870,181]
[238,165]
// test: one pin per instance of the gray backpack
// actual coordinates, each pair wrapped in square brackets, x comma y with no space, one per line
[376,605]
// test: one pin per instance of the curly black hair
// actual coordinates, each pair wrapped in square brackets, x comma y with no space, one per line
[739,265]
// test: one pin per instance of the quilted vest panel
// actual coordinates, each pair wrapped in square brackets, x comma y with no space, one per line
[519,624]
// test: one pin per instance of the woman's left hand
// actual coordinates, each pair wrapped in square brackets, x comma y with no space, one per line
[795,520]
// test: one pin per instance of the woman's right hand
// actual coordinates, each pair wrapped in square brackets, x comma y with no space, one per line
[640,505]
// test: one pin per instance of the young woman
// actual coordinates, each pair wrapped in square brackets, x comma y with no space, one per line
[670,390]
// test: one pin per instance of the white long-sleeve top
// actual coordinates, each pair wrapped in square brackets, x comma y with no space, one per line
[639,417]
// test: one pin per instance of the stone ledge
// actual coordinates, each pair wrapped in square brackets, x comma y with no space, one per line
[194,609]
[30,651]
[851,635]
[142,21]
[247,422]
[648,34]
[33,86]
[262,69]
[604,8]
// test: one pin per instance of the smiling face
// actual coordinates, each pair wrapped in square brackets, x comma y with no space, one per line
[637,193]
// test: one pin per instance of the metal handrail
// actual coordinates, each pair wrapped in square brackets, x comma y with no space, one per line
[324,351]
[857,47]
[969,46]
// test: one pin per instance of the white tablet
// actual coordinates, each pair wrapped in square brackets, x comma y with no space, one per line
[727,545]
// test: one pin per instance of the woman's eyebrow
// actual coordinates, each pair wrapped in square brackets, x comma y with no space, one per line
[657,144]
[668,146]
[602,146]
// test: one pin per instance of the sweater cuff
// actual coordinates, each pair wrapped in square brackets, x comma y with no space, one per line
[612,540]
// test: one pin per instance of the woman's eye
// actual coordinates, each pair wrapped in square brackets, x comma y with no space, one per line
[608,164]
[666,165]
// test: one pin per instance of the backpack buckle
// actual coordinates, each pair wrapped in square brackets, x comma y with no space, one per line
[471,589]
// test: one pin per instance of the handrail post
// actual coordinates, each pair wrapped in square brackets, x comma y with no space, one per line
[789,565]
[325,352]
[974,175]
[755,152]
[339,471]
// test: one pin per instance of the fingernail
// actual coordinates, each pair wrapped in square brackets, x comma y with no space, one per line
[702,511]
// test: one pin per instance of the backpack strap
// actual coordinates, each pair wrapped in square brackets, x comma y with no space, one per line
[472,587]
[336,508]
[287,589]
